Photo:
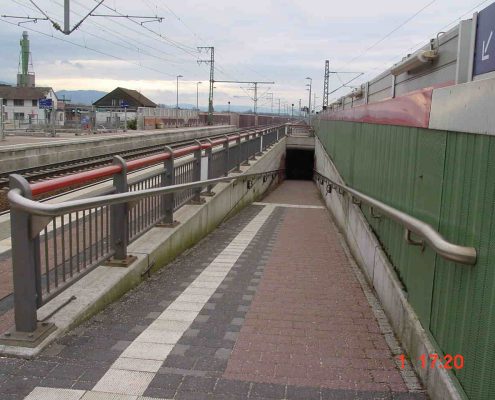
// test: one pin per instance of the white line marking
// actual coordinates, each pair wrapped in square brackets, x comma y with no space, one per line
[287,205]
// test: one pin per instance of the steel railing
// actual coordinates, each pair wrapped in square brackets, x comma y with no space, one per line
[449,251]
[54,245]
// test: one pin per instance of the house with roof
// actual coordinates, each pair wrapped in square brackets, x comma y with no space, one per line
[120,103]
[120,95]
[21,106]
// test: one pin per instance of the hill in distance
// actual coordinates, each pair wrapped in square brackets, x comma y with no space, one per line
[86,97]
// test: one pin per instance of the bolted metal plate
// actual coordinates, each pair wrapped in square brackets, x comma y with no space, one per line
[121,263]
[27,339]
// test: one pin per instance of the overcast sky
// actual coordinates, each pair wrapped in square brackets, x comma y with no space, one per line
[282,41]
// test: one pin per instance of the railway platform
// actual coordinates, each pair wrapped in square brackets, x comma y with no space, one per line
[268,306]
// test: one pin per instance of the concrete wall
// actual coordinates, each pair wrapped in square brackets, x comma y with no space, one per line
[32,155]
[381,275]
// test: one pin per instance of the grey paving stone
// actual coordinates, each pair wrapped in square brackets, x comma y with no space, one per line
[167,381]
[303,393]
[231,387]
[180,371]
[231,336]
[237,321]
[209,306]
[202,318]
[223,354]
[340,394]
[243,308]
[267,390]
[121,345]
[179,349]
[217,296]
[198,384]
[191,332]
[153,315]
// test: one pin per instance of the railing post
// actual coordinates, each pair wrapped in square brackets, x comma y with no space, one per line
[209,155]
[119,219]
[245,156]
[239,153]
[226,158]
[168,200]
[259,144]
[252,146]
[197,173]
[26,275]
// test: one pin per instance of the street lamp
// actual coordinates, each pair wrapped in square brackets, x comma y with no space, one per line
[197,94]
[177,109]
[292,117]
[229,107]
[310,84]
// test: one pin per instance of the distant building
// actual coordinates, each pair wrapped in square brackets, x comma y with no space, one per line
[21,105]
[116,97]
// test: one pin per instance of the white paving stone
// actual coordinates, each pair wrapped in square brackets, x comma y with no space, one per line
[156,335]
[124,382]
[148,351]
[134,364]
[176,315]
[186,306]
[107,396]
[45,393]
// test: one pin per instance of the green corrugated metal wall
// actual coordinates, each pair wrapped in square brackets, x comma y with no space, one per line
[448,180]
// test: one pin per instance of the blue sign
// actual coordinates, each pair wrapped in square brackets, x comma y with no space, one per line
[484,52]
[124,104]
[46,104]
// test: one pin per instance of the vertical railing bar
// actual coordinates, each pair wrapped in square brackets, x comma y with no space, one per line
[90,229]
[55,258]
[71,244]
[96,233]
[84,240]
[62,228]
[47,261]
[78,239]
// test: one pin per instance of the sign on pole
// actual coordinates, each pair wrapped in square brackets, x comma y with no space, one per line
[484,52]
[45,104]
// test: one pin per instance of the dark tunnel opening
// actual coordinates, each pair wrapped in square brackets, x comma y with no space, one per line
[299,164]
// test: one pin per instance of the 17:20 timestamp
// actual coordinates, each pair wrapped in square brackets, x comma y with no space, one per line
[435,361]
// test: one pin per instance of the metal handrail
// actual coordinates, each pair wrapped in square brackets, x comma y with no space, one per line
[449,251]
[19,202]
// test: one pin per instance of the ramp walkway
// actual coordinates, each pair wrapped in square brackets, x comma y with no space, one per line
[268,306]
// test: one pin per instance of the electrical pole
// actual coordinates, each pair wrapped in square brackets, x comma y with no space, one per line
[310,84]
[2,132]
[255,83]
[211,61]
[177,108]
[299,113]
[279,107]
[326,84]
[197,95]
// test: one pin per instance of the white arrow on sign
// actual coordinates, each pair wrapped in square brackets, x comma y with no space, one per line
[485,56]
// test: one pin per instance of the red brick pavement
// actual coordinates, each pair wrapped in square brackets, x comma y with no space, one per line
[309,323]
[295,192]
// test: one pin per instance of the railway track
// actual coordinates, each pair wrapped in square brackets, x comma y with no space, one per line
[56,170]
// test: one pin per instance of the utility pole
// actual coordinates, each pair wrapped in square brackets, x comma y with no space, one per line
[279,107]
[197,95]
[310,84]
[177,108]
[299,113]
[326,84]
[2,132]
[211,61]
[292,117]
[255,83]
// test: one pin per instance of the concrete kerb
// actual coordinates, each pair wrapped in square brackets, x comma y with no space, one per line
[158,246]
[380,274]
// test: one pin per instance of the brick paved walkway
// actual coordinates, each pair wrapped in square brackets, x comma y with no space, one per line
[266,307]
